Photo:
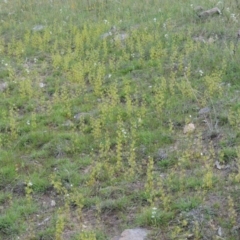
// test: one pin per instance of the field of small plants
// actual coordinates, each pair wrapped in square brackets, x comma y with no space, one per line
[118,114]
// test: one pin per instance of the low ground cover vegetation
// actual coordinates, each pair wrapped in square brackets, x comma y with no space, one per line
[119,114]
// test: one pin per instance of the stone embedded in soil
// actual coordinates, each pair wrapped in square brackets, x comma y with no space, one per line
[38,28]
[204,111]
[161,154]
[81,115]
[189,128]
[3,86]
[133,234]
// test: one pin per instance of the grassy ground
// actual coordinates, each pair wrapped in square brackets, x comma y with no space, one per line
[92,123]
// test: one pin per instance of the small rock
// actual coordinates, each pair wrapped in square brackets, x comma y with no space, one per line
[238,34]
[19,188]
[53,203]
[3,86]
[68,123]
[218,166]
[44,221]
[121,37]
[81,115]
[199,39]
[38,28]
[219,231]
[161,154]
[134,234]
[210,12]
[189,128]
[106,35]
[204,111]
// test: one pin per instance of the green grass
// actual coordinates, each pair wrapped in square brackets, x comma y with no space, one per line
[92,124]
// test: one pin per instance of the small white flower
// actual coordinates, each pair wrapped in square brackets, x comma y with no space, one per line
[28,122]
[6,64]
[41,85]
[124,131]
[29,184]
[35,60]
[150,86]
[105,21]
[201,72]
[109,75]
[166,35]
[191,5]
[154,19]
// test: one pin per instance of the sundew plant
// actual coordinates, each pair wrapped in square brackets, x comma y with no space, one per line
[119,114]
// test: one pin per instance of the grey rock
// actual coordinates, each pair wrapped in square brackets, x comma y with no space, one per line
[38,28]
[106,35]
[161,154]
[3,86]
[68,123]
[82,115]
[203,111]
[121,37]
[134,234]
[19,188]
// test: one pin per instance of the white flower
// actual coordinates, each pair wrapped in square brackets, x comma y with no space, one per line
[201,72]
[154,211]
[166,35]
[109,75]
[29,184]
[28,122]
[154,19]
[124,132]
[105,21]
[41,85]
